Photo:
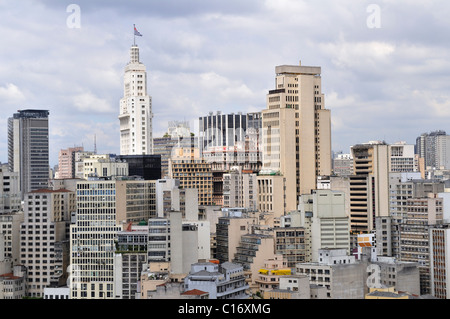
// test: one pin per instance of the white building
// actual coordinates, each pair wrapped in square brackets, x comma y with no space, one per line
[102,165]
[240,189]
[443,152]
[171,197]
[93,238]
[44,237]
[323,215]
[341,274]
[402,158]
[173,240]
[224,281]
[135,109]
[57,293]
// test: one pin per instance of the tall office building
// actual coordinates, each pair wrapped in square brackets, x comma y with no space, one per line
[296,130]
[28,148]
[135,109]
[221,129]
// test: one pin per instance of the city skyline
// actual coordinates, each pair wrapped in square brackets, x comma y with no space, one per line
[382,61]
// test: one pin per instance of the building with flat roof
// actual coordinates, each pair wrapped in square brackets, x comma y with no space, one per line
[45,238]
[342,275]
[296,130]
[28,148]
[220,281]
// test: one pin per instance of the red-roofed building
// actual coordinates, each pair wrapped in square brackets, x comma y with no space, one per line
[12,285]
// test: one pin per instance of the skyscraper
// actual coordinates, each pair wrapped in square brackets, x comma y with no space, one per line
[135,109]
[296,130]
[28,148]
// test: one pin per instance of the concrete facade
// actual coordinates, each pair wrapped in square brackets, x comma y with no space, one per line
[135,116]
[342,275]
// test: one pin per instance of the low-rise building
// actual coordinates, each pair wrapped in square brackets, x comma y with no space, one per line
[342,275]
[221,281]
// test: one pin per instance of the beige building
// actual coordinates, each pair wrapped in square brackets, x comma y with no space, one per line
[229,229]
[439,263]
[269,275]
[272,190]
[290,242]
[296,131]
[154,275]
[186,165]
[386,293]
[369,185]
[252,252]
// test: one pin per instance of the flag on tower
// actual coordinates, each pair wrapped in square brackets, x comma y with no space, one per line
[136,32]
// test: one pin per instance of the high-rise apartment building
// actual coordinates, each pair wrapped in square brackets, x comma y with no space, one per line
[28,148]
[421,215]
[93,239]
[131,255]
[369,192]
[443,152]
[296,130]
[240,189]
[135,109]
[44,238]
[426,148]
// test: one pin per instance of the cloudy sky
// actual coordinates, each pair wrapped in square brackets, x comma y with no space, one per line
[385,64]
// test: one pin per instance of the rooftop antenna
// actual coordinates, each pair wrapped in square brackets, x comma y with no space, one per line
[95,144]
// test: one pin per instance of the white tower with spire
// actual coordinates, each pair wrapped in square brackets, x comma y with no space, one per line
[135,109]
